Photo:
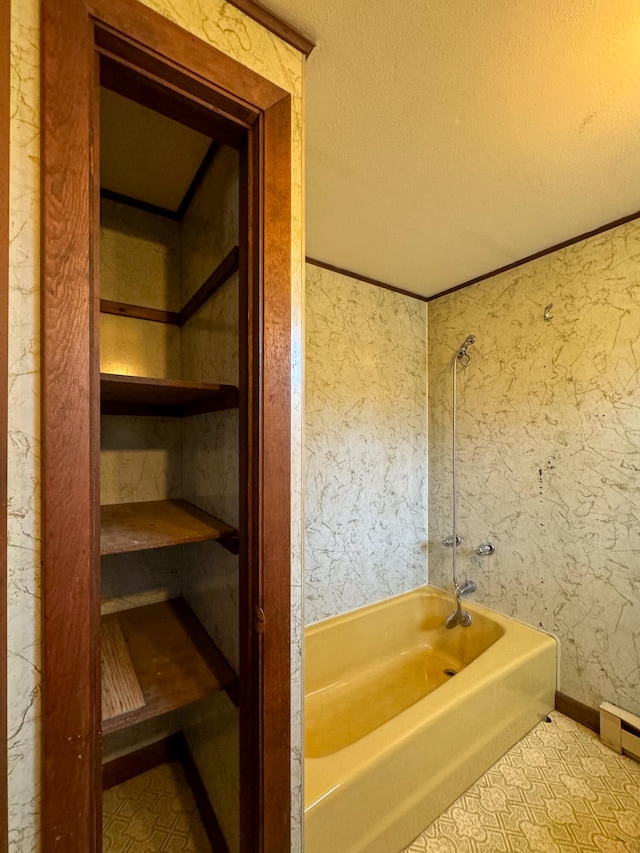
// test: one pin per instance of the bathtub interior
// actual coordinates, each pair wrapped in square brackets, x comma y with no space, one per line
[366,668]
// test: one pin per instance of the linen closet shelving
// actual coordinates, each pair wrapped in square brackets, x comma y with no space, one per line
[156,657]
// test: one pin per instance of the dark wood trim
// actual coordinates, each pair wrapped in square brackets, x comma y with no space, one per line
[146,206]
[316,263]
[276,25]
[5,73]
[94,438]
[150,90]
[207,160]
[249,254]
[70,701]
[172,748]
[265,334]
[139,312]
[222,273]
[581,713]
[197,72]
[272,504]
[549,251]
[178,61]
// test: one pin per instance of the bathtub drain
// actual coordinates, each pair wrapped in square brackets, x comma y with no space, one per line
[450,672]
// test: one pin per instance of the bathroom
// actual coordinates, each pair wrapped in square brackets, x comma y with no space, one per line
[547,425]
[546,431]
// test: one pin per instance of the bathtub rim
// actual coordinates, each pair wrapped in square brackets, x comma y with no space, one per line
[469,604]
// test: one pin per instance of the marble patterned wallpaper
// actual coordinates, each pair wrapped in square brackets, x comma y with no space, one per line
[23,476]
[139,257]
[140,578]
[209,231]
[365,444]
[139,263]
[246,41]
[211,462]
[140,459]
[548,454]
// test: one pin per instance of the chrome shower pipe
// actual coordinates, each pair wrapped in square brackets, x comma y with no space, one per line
[459,616]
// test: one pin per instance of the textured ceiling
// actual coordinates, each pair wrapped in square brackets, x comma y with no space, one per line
[446,139]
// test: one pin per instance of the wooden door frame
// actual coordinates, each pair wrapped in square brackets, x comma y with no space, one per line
[209,82]
[5,97]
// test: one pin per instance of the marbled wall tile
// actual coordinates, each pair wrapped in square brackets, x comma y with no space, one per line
[548,453]
[210,585]
[211,225]
[139,348]
[139,264]
[23,474]
[140,578]
[211,463]
[297,463]
[365,444]
[212,729]
[139,257]
[140,459]
[210,341]
[297,711]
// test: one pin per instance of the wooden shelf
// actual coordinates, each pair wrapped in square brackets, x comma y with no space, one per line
[165,651]
[176,398]
[222,273]
[160,524]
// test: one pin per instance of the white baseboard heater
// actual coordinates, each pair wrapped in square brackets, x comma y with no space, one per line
[620,730]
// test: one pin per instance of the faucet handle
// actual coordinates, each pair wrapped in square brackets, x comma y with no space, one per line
[486,549]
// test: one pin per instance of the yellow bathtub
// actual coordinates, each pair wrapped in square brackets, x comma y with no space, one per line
[402,715]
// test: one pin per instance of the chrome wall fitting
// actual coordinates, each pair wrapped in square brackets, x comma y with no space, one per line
[458,617]
[486,549]
[448,541]
[463,354]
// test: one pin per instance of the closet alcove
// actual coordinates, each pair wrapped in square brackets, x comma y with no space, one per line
[169,443]
[166,475]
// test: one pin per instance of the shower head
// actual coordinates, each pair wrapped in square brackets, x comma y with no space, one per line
[463,352]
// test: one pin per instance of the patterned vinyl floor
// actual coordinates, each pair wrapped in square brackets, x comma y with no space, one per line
[153,813]
[559,790]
